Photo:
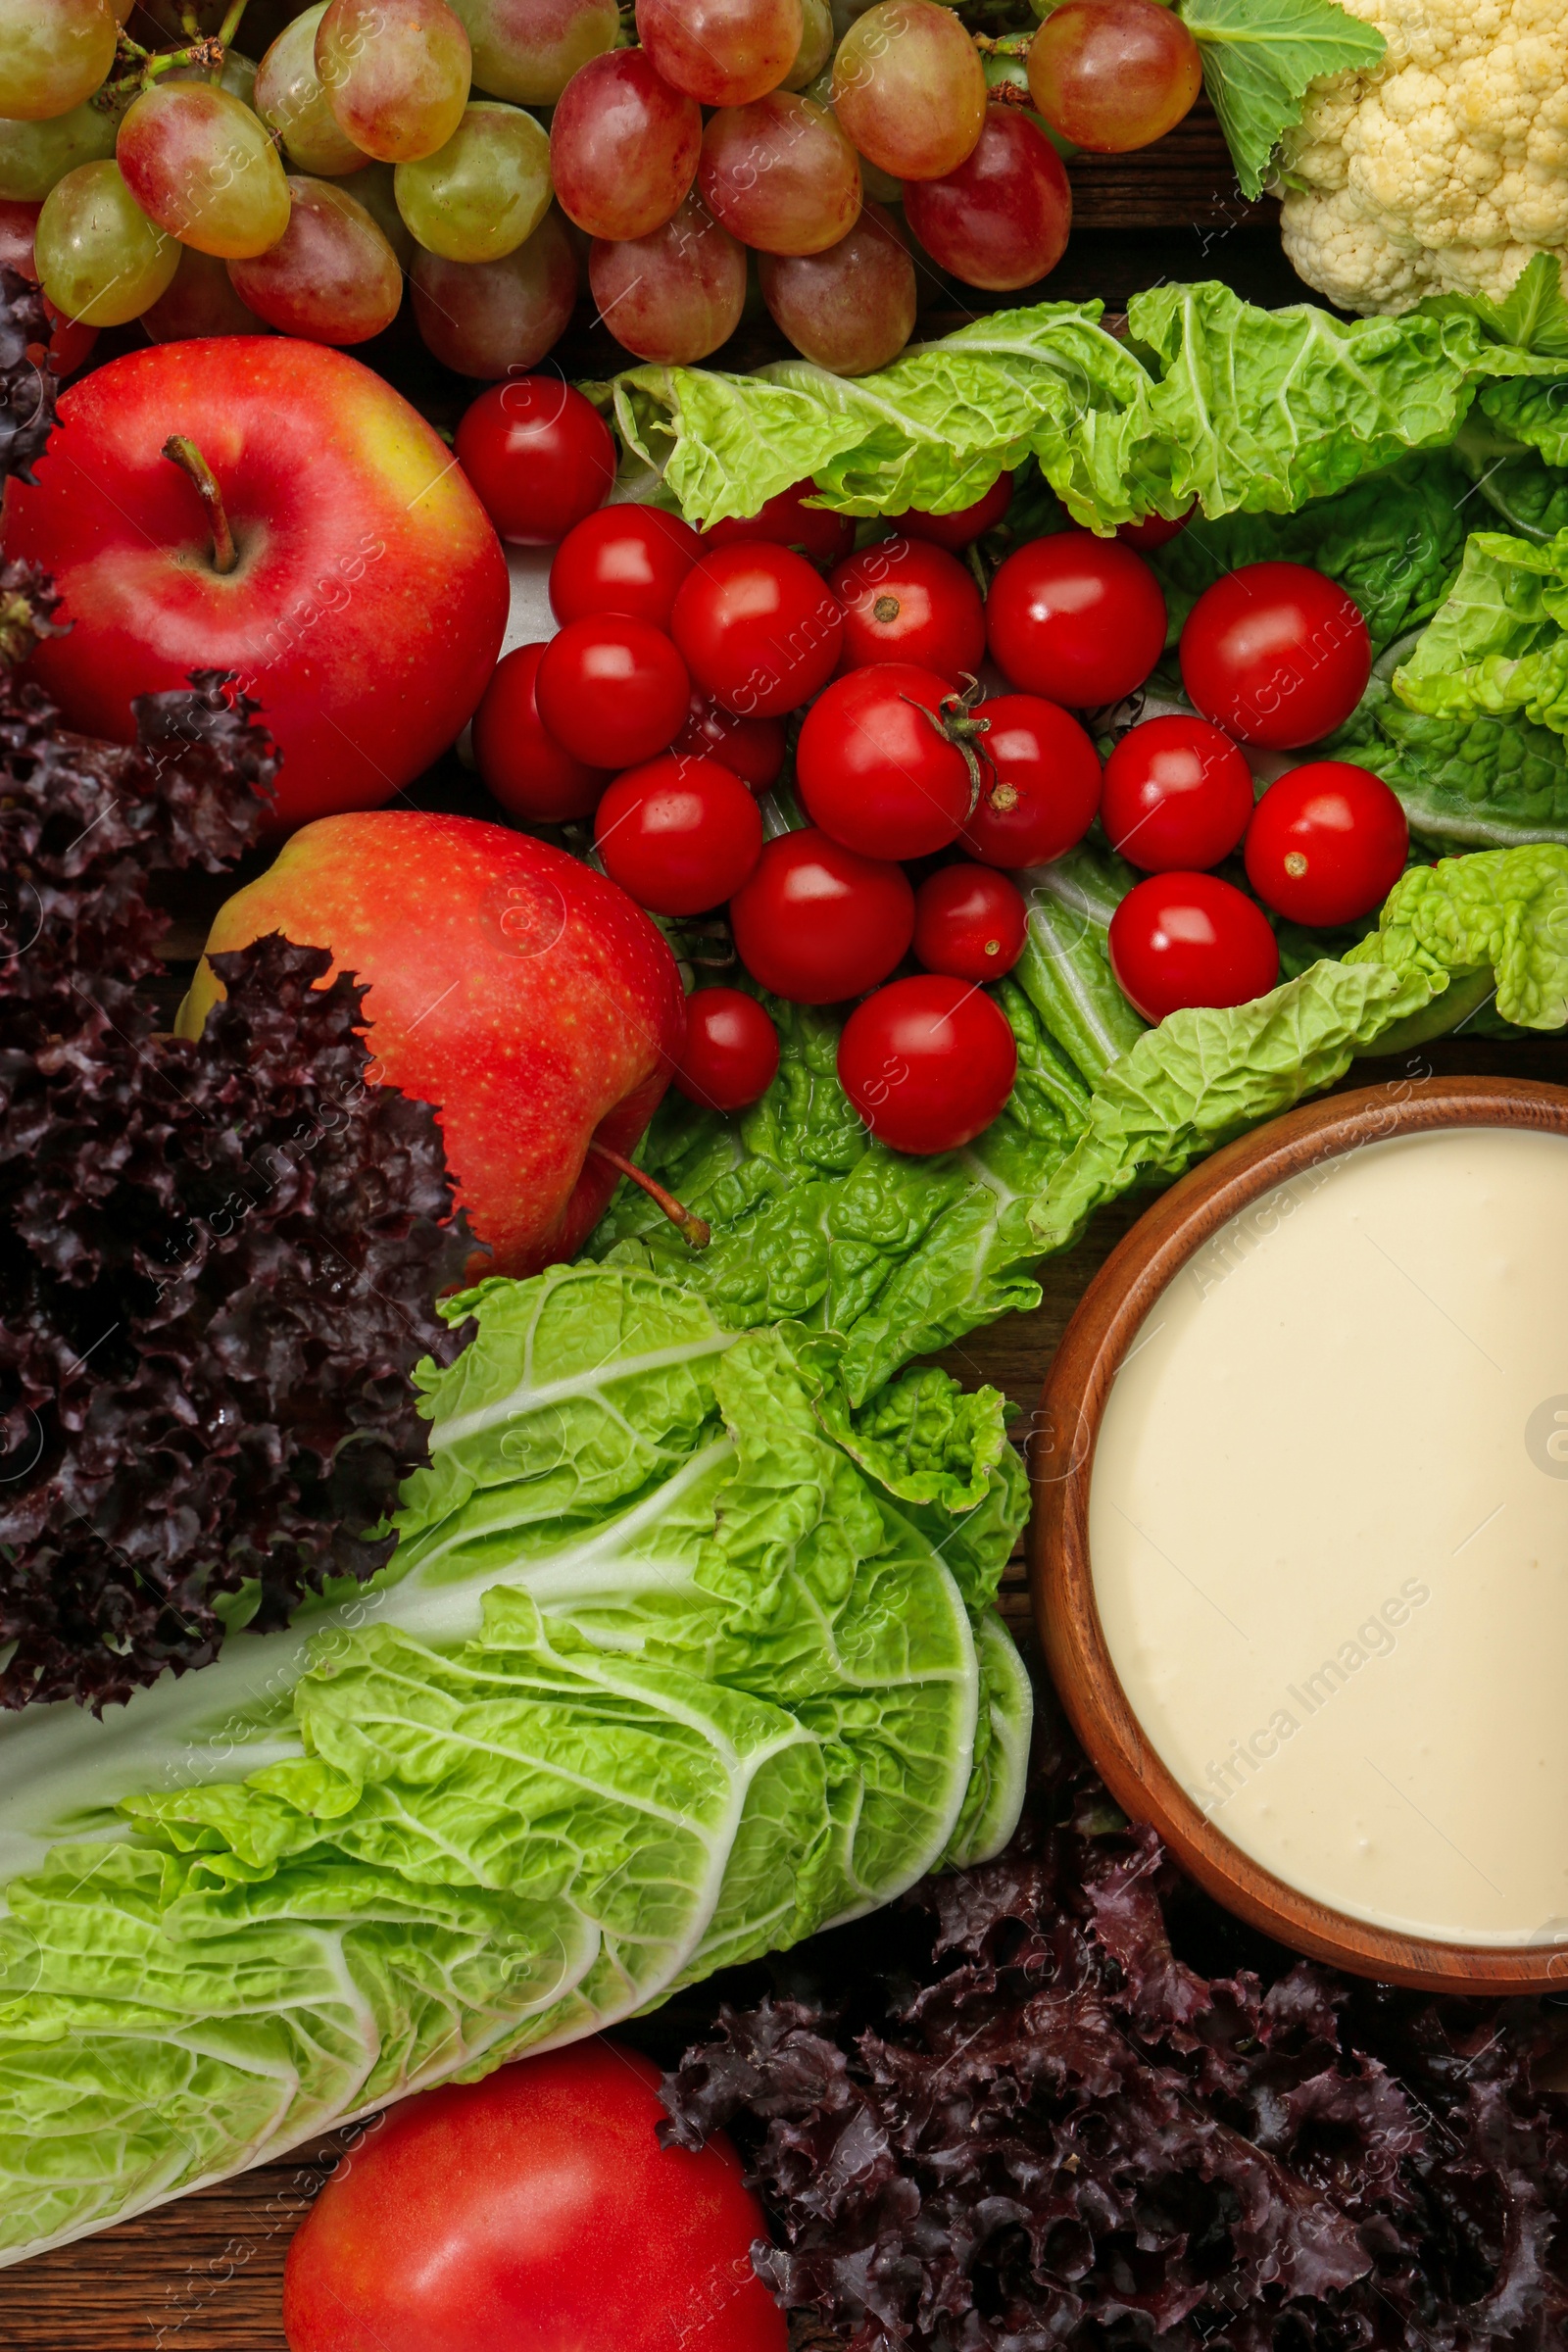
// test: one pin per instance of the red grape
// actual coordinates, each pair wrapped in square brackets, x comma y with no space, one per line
[966,524]
[927,1062]
[528,772]
[540,457]
[730,1057]
[675,295]
[1177,795]
[1112,74]
[1001,220]
[817,924]
[630,559]
[396,74]
[487,319]
[910,89]
[723,51]
[623,146]
[202,301]
[332,277]
[1078,619]
[1179,940]
[851,309]
[780,174]
[200,165]
[613,691]
[1327,842]
[789,522]
[1041,784]
[679,835]
[907,600]
[969,922]
[758,628]
[753,747]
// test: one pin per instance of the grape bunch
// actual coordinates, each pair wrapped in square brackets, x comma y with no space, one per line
[683,152]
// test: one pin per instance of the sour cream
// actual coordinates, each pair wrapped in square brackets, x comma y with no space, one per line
[1329,1533]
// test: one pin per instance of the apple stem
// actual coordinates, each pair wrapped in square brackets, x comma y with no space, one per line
[182,451]
[693,1230]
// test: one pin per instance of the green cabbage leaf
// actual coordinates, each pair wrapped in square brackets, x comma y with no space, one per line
[1499,646]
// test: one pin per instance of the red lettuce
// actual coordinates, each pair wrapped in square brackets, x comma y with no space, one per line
[1067,2102]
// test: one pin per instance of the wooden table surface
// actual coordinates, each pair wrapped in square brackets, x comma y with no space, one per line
[205,2274]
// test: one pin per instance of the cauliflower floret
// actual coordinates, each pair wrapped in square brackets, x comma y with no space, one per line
[1443,168]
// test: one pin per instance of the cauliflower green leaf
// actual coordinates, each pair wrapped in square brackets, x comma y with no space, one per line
[1259,58]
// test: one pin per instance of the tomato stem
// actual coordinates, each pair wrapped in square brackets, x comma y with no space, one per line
[694,1230]
[181,451]
[954,720]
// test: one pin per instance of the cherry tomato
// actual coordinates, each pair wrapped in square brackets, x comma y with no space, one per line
[528,772]
[878,766]
[539,456]
[1154,530]
[613,691]
[1077,618]
[1191,939]
[927,1062]
[679,835]
[730,1057]
[969,922]
[758,628]
[816,922]
[1040,783]
[536,2207]
[819,533]
[1327,842]
[904,600]
[1177,795]
[969,523]
[1275,653]
[752,747]
[630,559]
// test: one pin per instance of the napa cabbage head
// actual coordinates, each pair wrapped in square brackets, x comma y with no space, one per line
[682,1655]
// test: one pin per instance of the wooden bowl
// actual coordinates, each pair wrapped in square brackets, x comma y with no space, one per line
[1061,1467]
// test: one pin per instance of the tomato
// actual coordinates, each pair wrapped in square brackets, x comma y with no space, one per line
[1327,842]
[1040,783]
[878,765]
[969,922]
[961,529]
[630,559]
[1077,618]
[1191,939]
[1154,530]
[907,602]
[528,772]
[820,534]
[752,747]
[730,1057]
[1177,794]
[816,922]
[1275,653]
[535,2209]
[539,456]
[927,1062]
[679,835]
[613,691]
[758,628]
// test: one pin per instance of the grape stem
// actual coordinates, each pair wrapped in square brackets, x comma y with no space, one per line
[694,1230]
[147,64]
[1006,44]
[182,451]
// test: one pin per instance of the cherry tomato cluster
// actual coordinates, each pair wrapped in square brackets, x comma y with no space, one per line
[658,712]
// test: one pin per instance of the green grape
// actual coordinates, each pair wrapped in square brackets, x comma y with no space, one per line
[376,189]
[200,165]
[34,155]
[238,77]
[528,50]
[53,55]
[396,74]
[484,191]
[290,100]
[816,46]
[99,258]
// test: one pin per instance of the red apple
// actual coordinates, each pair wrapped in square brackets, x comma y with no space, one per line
[367,594]
[511,985]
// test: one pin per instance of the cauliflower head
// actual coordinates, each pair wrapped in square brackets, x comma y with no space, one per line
[1442,170]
